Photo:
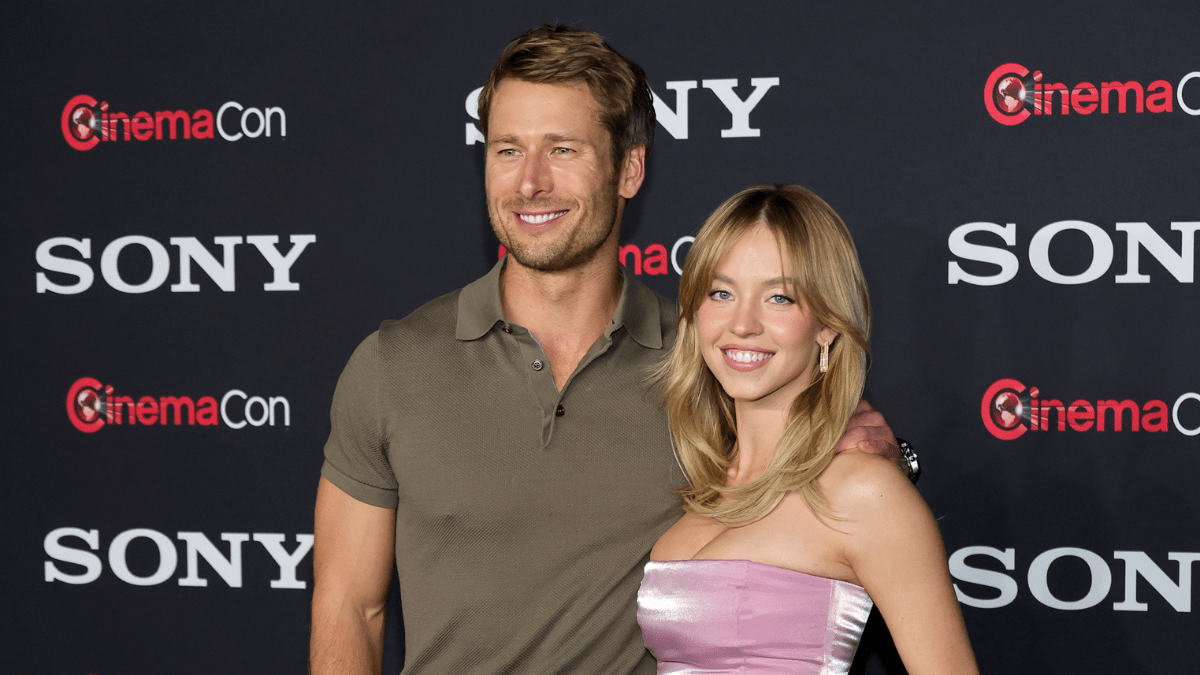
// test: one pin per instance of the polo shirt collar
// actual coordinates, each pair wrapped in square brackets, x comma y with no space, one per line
[479,305]
[638,311]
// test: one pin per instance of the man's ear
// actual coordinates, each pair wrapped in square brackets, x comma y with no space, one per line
[633,171]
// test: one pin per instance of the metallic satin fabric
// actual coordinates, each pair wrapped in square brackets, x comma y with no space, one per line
[708,617]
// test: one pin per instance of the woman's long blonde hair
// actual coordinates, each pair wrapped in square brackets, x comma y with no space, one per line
[827,279]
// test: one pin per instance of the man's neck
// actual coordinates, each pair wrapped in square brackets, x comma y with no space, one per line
[566,311]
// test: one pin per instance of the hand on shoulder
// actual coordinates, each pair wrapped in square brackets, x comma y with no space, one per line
[867,431]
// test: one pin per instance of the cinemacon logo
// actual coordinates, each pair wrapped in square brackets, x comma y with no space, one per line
[74,545]
[676,121]
[654,259]
[87,123]
[92,405]
[1009,409]
[1012,95]
[1138,237]
[1136,564]
[190,251]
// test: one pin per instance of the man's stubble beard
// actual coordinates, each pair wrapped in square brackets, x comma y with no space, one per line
[570,251]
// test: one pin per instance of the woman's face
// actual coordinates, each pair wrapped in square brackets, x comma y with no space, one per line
[756,336]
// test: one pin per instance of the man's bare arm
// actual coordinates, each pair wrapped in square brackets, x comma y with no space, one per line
[353,553]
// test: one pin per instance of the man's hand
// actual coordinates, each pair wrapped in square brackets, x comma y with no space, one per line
[869,432]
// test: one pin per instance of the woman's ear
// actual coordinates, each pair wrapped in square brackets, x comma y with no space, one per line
[826,336]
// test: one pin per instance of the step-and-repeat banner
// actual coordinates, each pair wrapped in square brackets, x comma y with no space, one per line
[208,205]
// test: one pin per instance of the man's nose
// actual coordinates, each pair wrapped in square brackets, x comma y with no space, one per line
[535,176]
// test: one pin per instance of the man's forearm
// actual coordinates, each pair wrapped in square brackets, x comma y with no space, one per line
[352,565]
[345,640]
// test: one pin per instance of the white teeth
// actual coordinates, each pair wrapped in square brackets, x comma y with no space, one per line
[539,218]
[746,357]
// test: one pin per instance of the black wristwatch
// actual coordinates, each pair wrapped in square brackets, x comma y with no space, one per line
[910,459]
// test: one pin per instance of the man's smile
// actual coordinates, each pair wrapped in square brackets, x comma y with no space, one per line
[540,218]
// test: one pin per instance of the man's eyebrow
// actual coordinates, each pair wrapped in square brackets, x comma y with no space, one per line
[551,138]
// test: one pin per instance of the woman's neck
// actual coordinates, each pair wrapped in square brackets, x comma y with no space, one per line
[760,426]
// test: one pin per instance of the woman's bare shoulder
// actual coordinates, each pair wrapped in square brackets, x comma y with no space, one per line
[859,484]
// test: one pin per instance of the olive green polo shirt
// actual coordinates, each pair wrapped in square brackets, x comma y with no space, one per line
[524,515]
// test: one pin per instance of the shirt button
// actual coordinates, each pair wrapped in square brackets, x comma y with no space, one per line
[537,364]
[560,411]
[507,328]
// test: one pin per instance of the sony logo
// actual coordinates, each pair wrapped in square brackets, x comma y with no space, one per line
[1137,564]
[221,272]
[1138,236]
[196,545]
[675,120]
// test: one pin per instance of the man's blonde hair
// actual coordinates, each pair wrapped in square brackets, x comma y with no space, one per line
[555,54]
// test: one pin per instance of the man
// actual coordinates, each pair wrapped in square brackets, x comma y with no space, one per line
[500,444]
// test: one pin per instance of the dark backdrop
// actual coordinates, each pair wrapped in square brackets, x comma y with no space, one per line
[147,547]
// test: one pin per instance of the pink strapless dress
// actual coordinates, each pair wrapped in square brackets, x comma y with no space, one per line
[706,617]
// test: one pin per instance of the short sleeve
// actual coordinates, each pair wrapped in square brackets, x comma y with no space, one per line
[356,454]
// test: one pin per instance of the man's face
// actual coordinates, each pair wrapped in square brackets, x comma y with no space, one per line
[552,195]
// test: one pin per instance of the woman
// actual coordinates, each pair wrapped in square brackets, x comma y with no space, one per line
[785,544]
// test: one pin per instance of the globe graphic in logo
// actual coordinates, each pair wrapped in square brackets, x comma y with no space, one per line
[1006,410]
[1010,94]
[83,123]
[88,405]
